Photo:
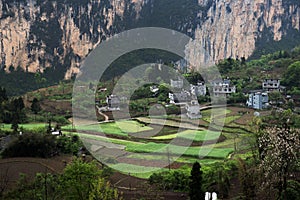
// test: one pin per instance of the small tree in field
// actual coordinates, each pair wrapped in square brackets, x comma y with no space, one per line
[35,106]
[196,192]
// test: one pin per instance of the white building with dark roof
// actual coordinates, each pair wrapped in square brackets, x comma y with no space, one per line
[223,88]
[199,89]
[179,97]
[271,84]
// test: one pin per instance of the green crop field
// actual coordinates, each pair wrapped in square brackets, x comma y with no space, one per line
[128,126]
[194,135]
[104,139]
[25,126]
[136,170]
[122,127]
[179,150]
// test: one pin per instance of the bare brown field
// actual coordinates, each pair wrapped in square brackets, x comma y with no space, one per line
[11,168]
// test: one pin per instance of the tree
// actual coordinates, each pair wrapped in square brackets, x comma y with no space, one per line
[14,124]
[3,95]
[35,106]
[39,79]
[280,147]
[78,179]
[196,192]
[292,74]
[31,145]
[102,190]
[248,179]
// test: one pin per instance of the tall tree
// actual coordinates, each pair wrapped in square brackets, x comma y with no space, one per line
[35,106]
[279,147]
[279,154]
[196,192]
[78,179]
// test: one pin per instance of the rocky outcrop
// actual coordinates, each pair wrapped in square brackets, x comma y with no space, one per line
[232,28]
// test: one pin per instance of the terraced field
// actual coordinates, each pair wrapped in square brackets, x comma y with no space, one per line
[149,144]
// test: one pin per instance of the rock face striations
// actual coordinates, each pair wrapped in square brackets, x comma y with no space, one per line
[41,34]
[235,28]
[37,34]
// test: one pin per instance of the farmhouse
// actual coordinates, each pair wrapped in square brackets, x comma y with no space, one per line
[199,89]
[272,85]
[179,97]
[154,89]
[223,88]
[258,99]
[113,102]
[193,110]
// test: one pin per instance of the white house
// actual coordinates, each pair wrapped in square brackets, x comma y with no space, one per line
[193,110]
[154,89]
[179,97]
[272,85]
[258,100]
[223,88]
[113,102]
[199,89]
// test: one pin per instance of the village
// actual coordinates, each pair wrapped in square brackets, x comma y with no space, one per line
[187,97]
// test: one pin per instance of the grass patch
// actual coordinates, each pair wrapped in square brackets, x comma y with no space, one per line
[179,150]
[117,128]
[189,160]
[104,139]
[7,127]
[136,170]
[194,135]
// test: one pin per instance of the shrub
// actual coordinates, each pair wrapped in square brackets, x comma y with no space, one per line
[31,145]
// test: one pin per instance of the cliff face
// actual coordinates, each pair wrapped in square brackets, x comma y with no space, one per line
[42,34]
[234,28]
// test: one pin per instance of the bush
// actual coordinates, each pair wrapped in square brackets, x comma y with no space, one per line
[67,144]
[31,145]
[293,190]
[171,180]
[60,120]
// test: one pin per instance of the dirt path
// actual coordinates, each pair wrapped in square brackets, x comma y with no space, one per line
[100,109]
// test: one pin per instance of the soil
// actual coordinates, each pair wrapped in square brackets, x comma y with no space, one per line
[133,188]
[11,168]
[130,187]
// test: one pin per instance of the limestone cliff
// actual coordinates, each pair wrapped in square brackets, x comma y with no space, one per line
[37,34]
[233,28]
[42,35]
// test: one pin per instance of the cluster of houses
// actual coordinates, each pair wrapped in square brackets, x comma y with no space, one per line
[259,99]
[187,96]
